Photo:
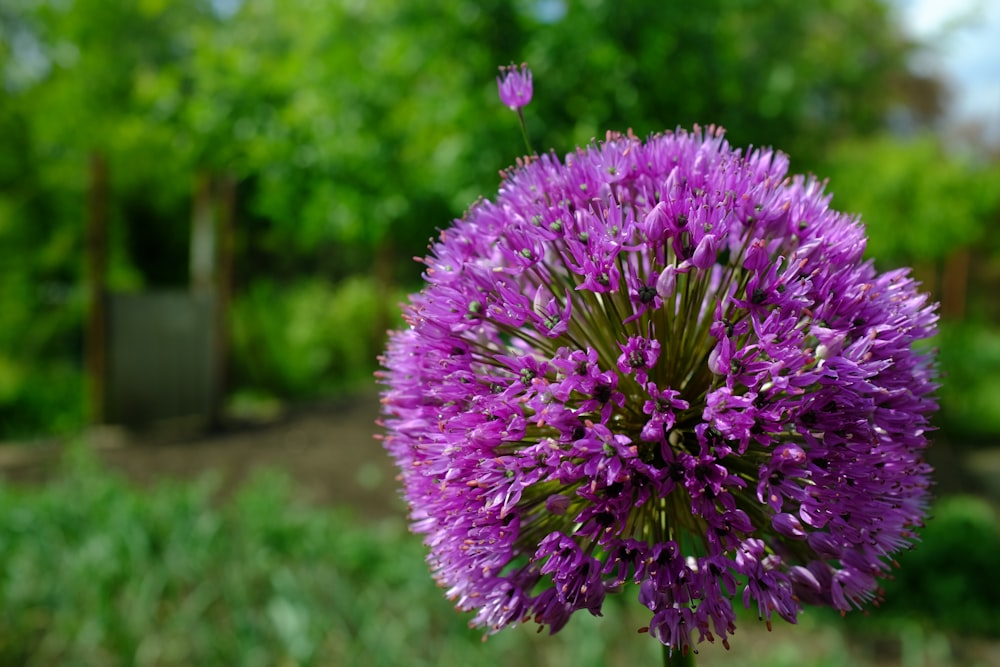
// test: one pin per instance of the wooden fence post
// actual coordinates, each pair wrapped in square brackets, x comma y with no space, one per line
[954,284]
[95,338]
[203,241]
[224,289]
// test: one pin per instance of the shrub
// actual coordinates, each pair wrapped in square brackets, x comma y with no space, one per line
[946,582]
[308,338]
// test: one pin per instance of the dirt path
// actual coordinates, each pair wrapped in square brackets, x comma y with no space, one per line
[328,450]
[330,453]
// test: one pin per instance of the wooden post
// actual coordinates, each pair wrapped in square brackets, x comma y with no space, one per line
[224,290]
[95,338]
[202,257]
[954,284]
[928,274]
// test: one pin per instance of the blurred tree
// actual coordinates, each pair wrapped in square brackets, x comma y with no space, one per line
[90,92]
[798,76]
[936,211]
[355,129]
[944,202]
[353,124]
[72,87]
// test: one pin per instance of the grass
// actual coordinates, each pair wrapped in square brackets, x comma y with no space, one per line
[96,572]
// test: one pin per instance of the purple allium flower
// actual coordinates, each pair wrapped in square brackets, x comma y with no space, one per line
[515,86]
[662,363]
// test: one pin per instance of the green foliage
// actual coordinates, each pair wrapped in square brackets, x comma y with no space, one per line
[362,121]
[34,395]
[792,75]
[40,385]
[95,572]
[918,203]
[970,391]
[308,338]
[356,129]
[945,583]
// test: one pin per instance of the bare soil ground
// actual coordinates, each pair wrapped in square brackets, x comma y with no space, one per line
[330,452]
[328,449]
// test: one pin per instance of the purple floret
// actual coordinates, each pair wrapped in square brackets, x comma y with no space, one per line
[665,363]
[515,86]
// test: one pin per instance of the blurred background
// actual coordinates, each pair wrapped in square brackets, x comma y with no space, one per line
[208,213]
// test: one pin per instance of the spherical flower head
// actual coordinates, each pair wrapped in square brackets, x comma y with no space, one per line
[660,363]
[515,86]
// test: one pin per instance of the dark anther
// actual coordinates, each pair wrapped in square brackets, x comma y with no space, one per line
[646,294]
[602,393]
[604,518]
[651,454]
[758,296]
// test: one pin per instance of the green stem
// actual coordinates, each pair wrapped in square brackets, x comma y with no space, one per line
[524,132]
[677,658]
